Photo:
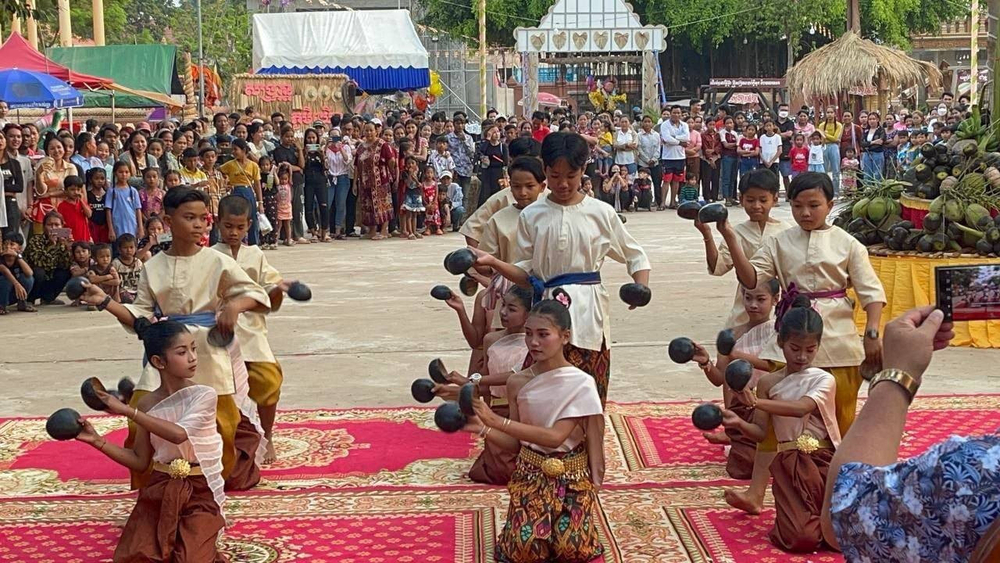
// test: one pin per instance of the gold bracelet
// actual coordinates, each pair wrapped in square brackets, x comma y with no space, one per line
[506,423]
[135,413]
[487,433]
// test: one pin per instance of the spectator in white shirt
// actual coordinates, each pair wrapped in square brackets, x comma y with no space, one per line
[674,138]
[626,143]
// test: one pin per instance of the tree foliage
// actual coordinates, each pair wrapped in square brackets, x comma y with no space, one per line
[225,26]
[10,8]
[699,23]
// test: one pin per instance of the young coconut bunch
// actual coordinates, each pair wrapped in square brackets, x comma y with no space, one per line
[873,211]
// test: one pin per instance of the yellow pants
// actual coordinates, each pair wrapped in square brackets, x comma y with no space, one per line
[227,417]
[848,383]
[265,382]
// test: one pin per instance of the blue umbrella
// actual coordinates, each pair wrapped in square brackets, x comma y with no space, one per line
[27,89]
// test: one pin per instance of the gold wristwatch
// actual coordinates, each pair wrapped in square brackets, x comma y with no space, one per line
[899,377]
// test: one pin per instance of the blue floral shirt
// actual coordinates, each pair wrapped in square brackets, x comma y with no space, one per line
[933,507]
[462,151]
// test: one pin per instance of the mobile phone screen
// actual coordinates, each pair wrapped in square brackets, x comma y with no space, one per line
[968,293]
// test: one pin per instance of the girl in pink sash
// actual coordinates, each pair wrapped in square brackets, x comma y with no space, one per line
[178,515]
[505,352]
[799,403]
[556,426]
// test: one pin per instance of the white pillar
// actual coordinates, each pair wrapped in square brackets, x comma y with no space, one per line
[32,26]
[530,92]
[65,25]
[98,22]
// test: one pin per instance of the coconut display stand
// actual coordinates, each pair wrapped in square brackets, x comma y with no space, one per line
[908,279]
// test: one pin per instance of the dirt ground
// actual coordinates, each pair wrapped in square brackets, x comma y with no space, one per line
[371,329]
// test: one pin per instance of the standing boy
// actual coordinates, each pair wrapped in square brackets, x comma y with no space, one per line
[263,371]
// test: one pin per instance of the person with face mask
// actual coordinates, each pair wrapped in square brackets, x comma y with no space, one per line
[786,130]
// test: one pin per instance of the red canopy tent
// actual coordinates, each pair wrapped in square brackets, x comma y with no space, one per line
[17,53]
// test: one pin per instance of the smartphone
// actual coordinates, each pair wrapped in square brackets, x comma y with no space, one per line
[164,238]
[62,233]
[968,293]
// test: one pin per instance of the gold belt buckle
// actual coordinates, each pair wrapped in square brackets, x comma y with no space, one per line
[806,443]
[553,467]
[179,468]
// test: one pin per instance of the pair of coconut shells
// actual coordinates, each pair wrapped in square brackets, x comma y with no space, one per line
[635,294]
[459,261]
[711,213]
[423,389]
[452,416]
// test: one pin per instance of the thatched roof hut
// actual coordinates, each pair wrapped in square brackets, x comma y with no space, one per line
[853,62]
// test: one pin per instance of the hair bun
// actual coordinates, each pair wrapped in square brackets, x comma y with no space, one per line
[141,325]
[801,301]
[562,297]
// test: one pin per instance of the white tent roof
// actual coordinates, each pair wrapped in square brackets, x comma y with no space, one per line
[362,39]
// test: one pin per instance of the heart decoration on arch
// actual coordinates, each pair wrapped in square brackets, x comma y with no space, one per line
[537,41]
[621,39]
[601,39]
[559,40]
[580,39]
[641,39]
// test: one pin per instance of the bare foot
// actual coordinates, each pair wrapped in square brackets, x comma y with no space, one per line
[742,501]
[270,456]
[716,438]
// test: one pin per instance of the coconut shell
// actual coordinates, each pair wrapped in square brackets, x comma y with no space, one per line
[713,213]
[76,287]
[467,398]
[681,350]
[725,342]
[622,218]
[89,393]
[441,292]
[459,261]
[738,375]
[64,424]
[689,210]
[437,371]
[422,390]
[300,291]
[468,285]
[635,294]
[218,339]
[449,418]
[706,417]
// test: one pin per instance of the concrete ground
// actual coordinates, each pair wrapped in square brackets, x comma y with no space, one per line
[371,329]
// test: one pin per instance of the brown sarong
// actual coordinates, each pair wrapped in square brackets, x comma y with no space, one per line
[798,488]
[245,473]
[739,463]
[495,465]
[174,520]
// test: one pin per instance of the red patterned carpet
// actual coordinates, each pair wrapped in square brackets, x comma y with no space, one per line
[383,485]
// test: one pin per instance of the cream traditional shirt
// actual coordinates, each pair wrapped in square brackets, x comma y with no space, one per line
[823,260]
[251,329]
[554,395]
[184,285]
[499,235]
[751,237]
[821,387]
[474,224]
[555,239]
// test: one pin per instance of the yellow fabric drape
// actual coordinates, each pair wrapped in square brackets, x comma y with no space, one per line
[909,282]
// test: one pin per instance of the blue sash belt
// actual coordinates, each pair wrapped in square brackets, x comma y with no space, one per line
[577,278]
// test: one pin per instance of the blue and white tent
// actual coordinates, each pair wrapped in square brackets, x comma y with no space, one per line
[378,49]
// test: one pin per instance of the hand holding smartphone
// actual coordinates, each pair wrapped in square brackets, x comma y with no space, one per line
[968,293]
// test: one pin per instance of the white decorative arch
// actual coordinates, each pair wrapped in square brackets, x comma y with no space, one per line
[591,26]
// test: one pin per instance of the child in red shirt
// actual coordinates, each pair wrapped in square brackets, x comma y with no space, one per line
[749,149]
[799,155]
[75,210]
